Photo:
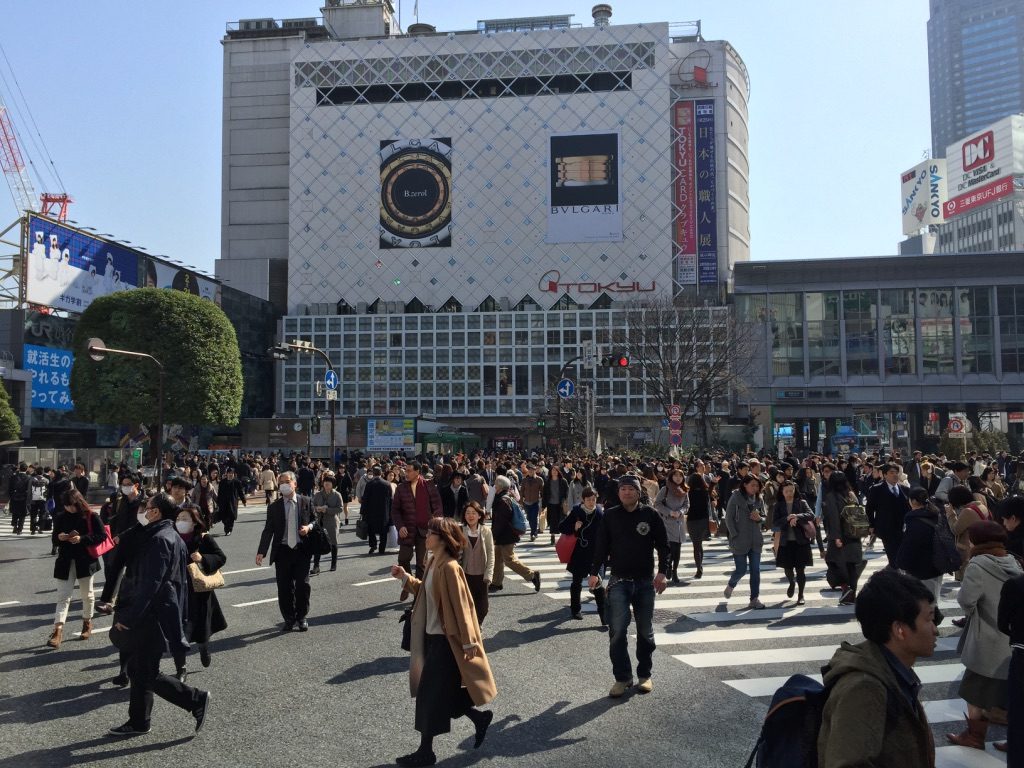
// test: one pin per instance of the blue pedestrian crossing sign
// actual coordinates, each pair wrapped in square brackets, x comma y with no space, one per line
[331,380]
[566,388]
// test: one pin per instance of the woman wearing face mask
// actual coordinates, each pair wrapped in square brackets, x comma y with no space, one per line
[328,503]
[205,615]
[204,497]
[77,528]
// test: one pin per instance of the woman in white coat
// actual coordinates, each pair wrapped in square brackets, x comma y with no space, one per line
[984,652]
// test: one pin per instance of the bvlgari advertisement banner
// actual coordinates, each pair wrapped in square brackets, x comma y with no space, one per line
[416,193]
[584,191]
[67,269]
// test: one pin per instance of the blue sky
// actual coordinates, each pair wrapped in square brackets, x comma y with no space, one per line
[127,98]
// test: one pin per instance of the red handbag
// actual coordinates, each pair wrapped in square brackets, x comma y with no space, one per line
[565,546]
[97,550]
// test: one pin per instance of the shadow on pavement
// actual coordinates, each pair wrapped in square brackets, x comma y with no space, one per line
[72,754]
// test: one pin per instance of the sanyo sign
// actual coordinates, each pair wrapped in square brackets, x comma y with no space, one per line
[923,192]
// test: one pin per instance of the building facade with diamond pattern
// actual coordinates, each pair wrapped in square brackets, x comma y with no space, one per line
[451,215]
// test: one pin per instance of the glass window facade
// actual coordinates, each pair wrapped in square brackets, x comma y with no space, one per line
[860,314]
[787,334]
[823,334]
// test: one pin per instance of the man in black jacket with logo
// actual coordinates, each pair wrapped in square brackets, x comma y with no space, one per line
[629,535]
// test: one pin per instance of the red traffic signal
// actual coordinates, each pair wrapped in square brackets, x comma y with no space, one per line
[622,361]
[615,360]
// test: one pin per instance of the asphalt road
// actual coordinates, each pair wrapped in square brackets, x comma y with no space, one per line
[338,694]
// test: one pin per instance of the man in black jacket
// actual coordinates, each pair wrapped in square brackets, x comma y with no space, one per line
[289,521]
[629,535]
[150,619]
[375,509]
[887,505]
[20,484]
[915,553]
[230,491]
[1011,622]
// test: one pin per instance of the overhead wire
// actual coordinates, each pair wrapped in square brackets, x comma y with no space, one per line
[26,112]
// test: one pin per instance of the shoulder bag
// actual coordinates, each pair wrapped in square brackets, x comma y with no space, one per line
[97,550]
[202,582]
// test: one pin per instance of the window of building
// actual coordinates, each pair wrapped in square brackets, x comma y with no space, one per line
[899,333]
[787,334]
[935,310]
[860,313]
[823,333]
[977,341]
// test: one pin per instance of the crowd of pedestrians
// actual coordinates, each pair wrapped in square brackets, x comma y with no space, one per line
[456,521]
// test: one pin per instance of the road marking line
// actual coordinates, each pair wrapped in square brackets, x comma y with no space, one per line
[95,630]
[778,655]
[961,757]
[255,602]
[9,602]
[244,570]
[375,581]
[765,686]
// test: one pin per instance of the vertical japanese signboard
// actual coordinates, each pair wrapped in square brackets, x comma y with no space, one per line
[50,368]
[685,195]
[707,209]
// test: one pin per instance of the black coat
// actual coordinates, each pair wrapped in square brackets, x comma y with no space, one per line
[205,617]
[582,556]
[85,564]
[780,522]
[915,552]
[153,601]
[1011,609]
[886,510]
[454,500]
[375,505]
[229,493]
[273,535]
[344,486]
[123,513]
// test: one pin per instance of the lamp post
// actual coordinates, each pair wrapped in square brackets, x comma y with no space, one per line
[98,351]
[284,350]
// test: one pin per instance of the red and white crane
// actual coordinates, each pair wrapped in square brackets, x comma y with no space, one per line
[12,161]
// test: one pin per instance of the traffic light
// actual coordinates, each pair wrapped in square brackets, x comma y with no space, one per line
[314,425]
[615,360]
[541,422]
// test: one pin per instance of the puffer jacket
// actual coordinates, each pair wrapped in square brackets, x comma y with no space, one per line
[867,720]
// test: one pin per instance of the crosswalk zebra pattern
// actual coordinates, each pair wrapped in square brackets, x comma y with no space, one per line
[754,651]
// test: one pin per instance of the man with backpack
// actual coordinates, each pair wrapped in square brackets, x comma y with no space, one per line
[508,523]
[928,549]
[886,507]
[19,486]
[872,714]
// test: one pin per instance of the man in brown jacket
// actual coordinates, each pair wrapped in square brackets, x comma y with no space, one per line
[415,502]
[873,715]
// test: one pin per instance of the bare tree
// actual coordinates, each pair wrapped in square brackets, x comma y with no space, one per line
[690,355]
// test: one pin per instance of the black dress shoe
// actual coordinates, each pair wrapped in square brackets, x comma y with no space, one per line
[536,581]
[288,626]
[121,681]
[181,674]
[303,625]
[493,588]
[200,710]
[127,730]
[204,655]
[416,759]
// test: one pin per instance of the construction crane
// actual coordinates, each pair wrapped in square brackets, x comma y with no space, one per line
[12,162]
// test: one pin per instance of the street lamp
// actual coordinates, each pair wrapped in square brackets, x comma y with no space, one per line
[285,350]
[98,351]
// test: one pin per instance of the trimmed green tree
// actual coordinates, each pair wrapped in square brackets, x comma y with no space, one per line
[190,336]
[10,427]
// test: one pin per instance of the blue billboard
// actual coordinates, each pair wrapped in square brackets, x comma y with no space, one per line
[50,368]
[707,207]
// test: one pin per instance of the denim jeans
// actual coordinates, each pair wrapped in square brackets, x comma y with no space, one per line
[532,511]
[753,558]
[623,593]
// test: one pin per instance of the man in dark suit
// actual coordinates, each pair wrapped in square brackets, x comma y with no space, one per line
[375,509]
[887,505]
[289,521]
[912,468]
[230,491]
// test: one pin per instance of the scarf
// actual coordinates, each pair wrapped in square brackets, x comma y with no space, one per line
[994,548]
[422,503]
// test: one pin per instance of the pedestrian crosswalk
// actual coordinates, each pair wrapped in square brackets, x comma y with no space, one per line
[740,646]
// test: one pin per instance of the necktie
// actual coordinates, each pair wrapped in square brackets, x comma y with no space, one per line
[895,491]
[292,534]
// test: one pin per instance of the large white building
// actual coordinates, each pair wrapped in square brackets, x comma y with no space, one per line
[490,194]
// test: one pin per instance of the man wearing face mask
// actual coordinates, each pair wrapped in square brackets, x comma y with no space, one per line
[125,506]
[289,521]
[151,618]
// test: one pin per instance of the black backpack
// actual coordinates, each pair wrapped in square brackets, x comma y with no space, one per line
[946,557]
[789,735]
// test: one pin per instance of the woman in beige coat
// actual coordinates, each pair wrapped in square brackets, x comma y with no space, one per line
[448,673]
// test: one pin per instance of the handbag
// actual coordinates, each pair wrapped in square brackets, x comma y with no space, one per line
[406,621]
[96,550]
[361,531]
[565,546]
[392,537]
[202,582]
[810,530]
[712,526]
[317,541]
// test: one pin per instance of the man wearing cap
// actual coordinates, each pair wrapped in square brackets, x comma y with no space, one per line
[629,535]
[229,492]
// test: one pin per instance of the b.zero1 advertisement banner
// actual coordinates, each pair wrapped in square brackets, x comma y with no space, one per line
[416,193]
[981,167]
[707,205]
[67,269]
[684,228]
[584,188]
[923,195]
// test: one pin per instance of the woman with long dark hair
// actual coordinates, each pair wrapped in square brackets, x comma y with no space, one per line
[449,673]
[73,531]
[205,615]
[672,504]
[744,515]
[789,517]
[698,518]
[844,553]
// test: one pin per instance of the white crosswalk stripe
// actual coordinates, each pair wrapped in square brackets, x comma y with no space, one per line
[727,632]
